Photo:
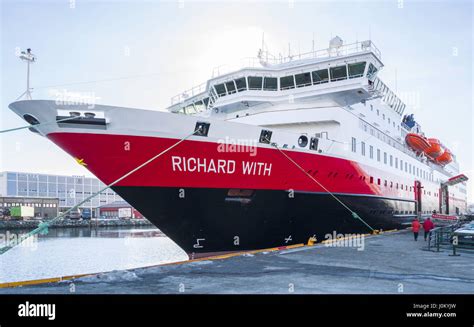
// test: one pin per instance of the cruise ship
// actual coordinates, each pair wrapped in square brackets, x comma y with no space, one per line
[269,154]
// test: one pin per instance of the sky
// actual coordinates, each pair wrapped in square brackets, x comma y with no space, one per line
[140,54]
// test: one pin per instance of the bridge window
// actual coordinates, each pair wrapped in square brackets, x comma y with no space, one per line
[230,87]
[338,73]
[220,89]
[241,84]
[320,76]
[199,106]
[287,82]
[270,84]
[303,79]
[371,71]
[255,83]
[356,70]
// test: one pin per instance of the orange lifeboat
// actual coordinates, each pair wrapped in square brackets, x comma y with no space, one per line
[445,158]
[417,142]
[435,149]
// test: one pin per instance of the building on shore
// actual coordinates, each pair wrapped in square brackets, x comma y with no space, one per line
[67,190]
[119,209]
[43,207]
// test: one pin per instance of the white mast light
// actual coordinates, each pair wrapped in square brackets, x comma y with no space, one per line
[29,58]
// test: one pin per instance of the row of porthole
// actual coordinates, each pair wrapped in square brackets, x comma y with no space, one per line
[363,178]
[398,212]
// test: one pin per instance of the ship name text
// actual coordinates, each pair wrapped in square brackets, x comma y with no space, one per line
[220,166]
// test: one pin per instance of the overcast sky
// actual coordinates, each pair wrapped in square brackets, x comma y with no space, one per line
[168,47]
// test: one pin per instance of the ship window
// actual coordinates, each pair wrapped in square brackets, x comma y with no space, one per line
[385,157]
[270,84]
[206,101]
[241,84]
[199,106]
[287,82]
[320,76]
[338,73]
[220,89]
[303,79]
[255,83]
[230,87]
[371,71]
[371,180]
[371,152]
[356,70]
[378,155]
[378,181]
[354,145]
[362,147]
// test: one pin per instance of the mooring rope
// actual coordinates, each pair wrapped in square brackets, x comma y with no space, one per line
[353,213]
[43,226]
[37,125]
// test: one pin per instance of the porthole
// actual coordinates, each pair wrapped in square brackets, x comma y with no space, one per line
[303,141]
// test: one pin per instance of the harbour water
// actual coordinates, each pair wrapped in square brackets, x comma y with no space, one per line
[71,251]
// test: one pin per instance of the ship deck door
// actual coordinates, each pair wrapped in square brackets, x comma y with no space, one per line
[418,193]
[444,199]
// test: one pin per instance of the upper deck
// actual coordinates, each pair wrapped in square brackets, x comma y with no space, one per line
[335,70]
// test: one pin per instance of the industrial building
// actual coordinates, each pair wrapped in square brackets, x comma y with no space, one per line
[43,207]
[119,209]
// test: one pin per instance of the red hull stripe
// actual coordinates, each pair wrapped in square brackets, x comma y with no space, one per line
[189,165]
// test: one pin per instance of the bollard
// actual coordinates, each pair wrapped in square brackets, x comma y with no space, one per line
[437,242]
[454,252]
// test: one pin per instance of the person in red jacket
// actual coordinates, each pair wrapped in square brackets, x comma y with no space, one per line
[428,226]
[415,226]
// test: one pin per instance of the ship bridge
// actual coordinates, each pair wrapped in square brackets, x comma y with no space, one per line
[343,74]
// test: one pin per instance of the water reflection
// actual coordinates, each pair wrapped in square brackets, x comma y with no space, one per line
[71,251]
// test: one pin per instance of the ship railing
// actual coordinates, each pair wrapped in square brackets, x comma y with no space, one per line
[183,96]
[266,59]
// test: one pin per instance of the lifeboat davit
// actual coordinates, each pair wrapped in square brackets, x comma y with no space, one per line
[445,158]
[435,149]
[417,142]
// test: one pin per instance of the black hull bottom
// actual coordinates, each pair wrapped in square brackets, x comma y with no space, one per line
[211,221]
